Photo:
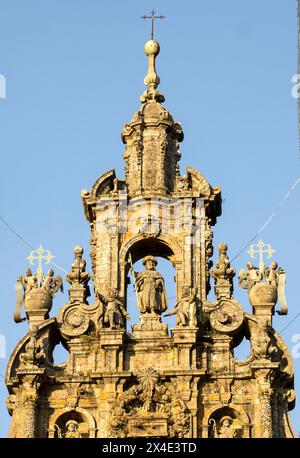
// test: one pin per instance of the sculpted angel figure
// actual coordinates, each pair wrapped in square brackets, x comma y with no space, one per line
[29,281]
[115,313]
[248,278]
[28,287]
[185,309]
[150,288]
[53,284]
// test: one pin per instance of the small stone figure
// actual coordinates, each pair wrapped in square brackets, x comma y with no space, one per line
[261,342]
[34,354]
[248,278]
[223,274]
[72,431]
[267,291]
[36,294]
[185,309]
[271,274]
[29,281]
[78,275]
[150,287]
[53,284]
[115,312]
[225,430]
[78,278]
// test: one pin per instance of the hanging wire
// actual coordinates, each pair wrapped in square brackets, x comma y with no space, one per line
[26,243]
[267,222]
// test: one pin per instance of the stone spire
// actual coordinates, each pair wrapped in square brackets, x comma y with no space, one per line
[152,139]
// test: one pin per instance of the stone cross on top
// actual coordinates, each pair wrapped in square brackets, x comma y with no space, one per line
[263,248]
[40,255]
[152,17]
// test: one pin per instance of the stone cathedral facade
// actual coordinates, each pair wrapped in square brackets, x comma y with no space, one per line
[145,380]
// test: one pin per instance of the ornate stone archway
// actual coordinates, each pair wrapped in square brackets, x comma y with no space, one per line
[84,414]
[220,410]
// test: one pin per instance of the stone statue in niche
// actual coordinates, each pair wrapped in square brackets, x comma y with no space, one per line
[185,309]
[150,288]
[115,314]
[225,429]
[72,431]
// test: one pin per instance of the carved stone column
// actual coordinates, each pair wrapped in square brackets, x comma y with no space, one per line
[30,404]
[31,382]
[266,412]
[264,374]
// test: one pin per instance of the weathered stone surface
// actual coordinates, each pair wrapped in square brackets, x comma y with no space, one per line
[147,381]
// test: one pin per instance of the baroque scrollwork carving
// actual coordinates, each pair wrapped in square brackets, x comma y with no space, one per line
[73,321]
[227,317]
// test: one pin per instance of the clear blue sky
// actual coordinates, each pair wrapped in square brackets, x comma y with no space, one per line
[74,72]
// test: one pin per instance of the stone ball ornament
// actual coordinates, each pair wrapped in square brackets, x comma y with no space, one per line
[263,293]
[39,299]
[151,48]
[228,317]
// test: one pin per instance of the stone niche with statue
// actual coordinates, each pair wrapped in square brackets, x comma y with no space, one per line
[148,380]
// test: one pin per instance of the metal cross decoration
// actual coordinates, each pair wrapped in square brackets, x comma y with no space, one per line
[41,256]
[152,17]
[263,248]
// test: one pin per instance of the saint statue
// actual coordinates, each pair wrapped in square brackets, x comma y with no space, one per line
[226,429]
[150,288]
[72,431]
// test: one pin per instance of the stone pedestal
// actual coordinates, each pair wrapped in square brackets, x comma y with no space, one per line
[112,342]
[264,311]
[37,316]
[150,326]
[185,341]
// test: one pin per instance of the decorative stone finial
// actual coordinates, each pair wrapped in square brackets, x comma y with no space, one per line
[152,79]
[151,49]
[78,278]
[223,274]
[264,288]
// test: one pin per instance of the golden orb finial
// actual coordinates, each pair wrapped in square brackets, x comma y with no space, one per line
[151,80]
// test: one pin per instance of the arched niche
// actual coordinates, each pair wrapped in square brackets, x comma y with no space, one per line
[141,246]
[214,415]
[85,420]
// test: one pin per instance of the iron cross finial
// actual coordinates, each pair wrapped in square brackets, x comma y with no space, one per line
[152,17]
